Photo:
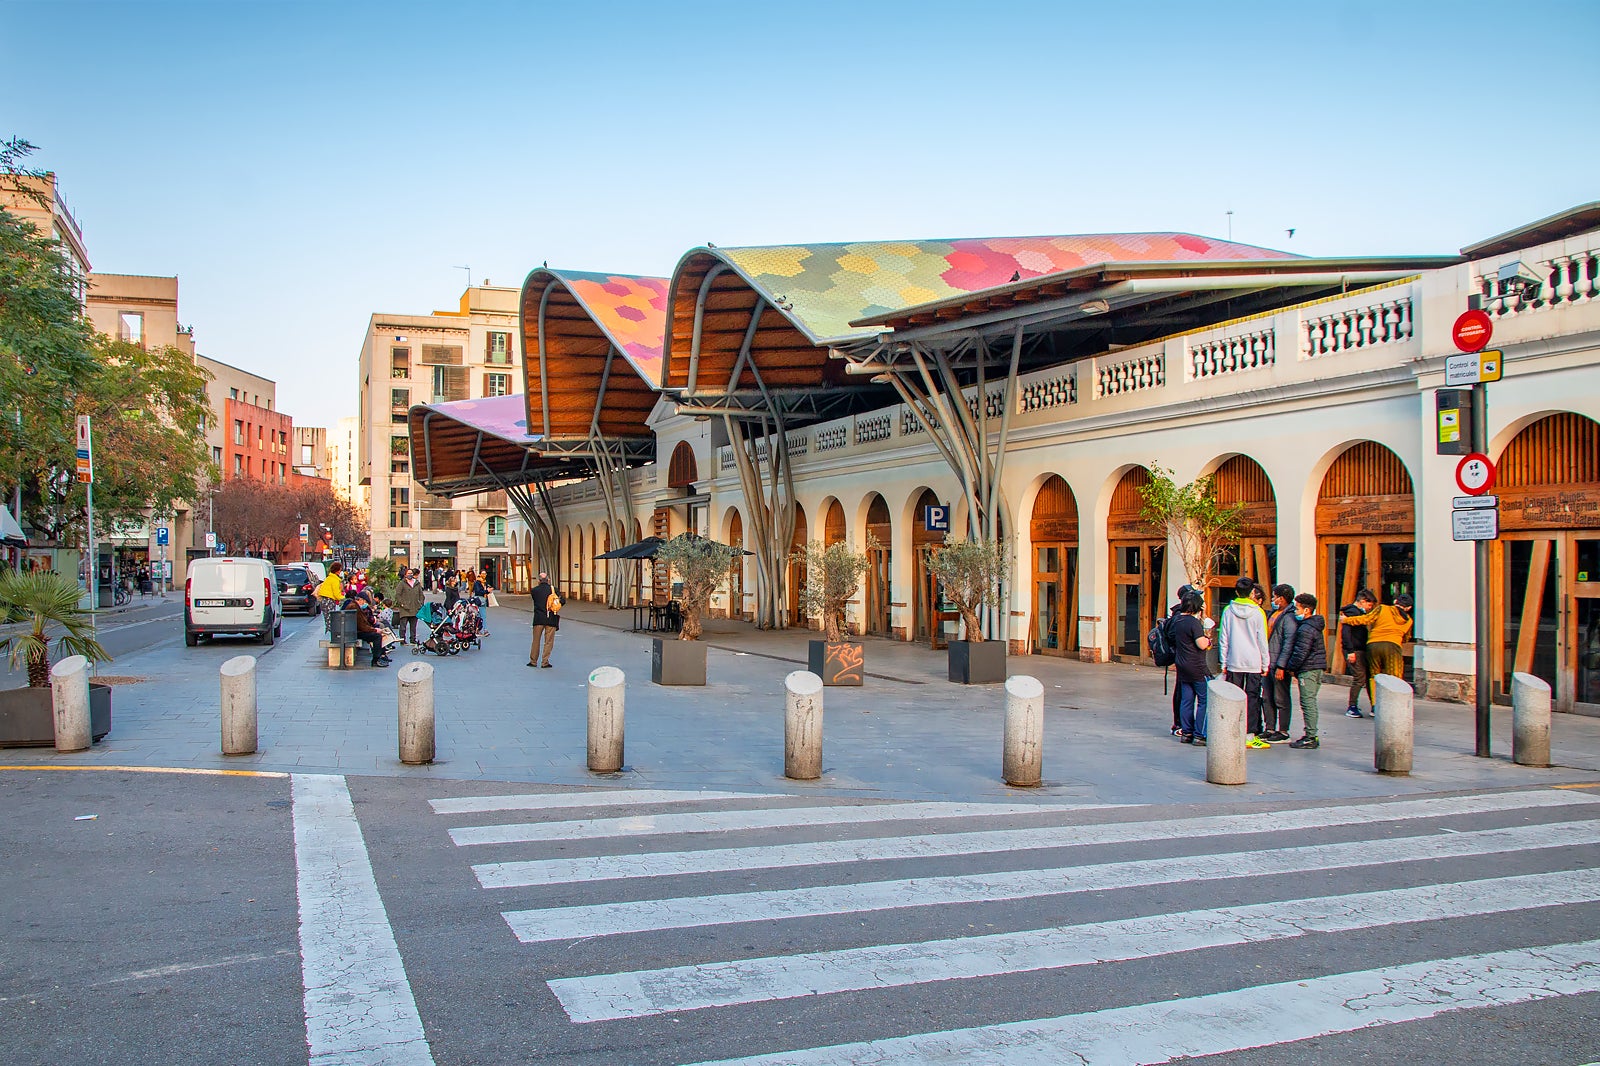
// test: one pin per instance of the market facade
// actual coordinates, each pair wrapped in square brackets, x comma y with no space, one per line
[810,394]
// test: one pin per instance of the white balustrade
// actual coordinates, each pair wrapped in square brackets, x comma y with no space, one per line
[1056,389]
[1136,374]
[1351,328]
[1230,355]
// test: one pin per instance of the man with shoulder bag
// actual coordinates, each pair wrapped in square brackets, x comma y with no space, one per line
[546,620]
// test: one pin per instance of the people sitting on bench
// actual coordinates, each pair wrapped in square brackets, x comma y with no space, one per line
[367,629]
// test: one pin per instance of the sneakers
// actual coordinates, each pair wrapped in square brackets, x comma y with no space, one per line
[1306,742]
[1353,712]
[1256,742]
[1274,735]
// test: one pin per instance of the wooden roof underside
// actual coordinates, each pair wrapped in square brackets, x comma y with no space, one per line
[576,350]
[454,458]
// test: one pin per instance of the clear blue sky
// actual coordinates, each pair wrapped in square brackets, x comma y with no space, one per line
[301,165]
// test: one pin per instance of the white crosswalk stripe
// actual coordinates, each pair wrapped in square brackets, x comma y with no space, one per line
[1541,845]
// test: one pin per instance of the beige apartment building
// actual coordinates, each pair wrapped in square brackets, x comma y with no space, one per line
[344,461]
[464,354]
[38,200]
[311,452]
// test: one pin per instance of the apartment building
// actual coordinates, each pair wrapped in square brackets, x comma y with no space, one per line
[311,452]
[344,461]
[463,354]
[38,200]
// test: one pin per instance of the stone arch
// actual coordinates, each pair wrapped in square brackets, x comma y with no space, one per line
[832,528]
[733,533]
[1138,555]
[682,470]
[1052,562]
[1241,481]
[877,587]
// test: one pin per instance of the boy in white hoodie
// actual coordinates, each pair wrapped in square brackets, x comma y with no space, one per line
[1245,660]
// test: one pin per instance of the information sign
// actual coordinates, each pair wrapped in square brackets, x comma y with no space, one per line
[1474,503]
[305,531]
[211,540]
[936,518]
[1472,369]
[1475,474]
[161,536]
[1481,524]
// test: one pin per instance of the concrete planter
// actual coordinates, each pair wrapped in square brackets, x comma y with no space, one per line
[678,662]
[27,716]
[838,663]
[978,663]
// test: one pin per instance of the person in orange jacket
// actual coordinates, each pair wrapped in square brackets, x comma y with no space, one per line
[1388,627]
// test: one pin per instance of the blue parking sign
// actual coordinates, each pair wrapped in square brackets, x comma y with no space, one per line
[936,518]
[161,535]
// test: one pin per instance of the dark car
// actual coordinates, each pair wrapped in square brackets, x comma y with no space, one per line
[297,589]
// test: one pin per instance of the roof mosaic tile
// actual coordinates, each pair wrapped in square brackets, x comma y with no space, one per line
[823,287]
[501,416]
[631,310]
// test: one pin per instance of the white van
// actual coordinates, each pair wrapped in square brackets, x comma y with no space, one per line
[231,595]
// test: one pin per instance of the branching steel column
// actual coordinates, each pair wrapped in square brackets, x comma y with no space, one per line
[544,380]
[699,317]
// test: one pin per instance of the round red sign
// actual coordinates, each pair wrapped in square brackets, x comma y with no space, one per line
[1475,474]
[1472,331]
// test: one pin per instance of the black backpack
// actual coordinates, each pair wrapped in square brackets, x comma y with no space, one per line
[1159,642]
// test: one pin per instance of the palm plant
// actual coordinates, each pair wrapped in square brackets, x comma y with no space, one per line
[39,600]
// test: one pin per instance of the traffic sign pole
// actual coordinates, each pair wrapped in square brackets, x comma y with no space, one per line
[1480,573]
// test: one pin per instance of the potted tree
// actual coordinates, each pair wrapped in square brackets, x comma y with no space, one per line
[970,573]
[37,602]
[833,574]
[701,564]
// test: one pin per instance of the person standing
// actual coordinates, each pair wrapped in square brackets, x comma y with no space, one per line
[1172,614]
[1353,644]
[1275,692]
[1190,639]
[452,591]
[1388,627]
[407,602]
[1243,642]
[1307,659]
[545,622]
[331,592]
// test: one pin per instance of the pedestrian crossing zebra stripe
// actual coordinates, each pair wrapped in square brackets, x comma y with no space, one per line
[640,993]
[726,821]
[542,801]
[1234,1021]
[607,919]
[936,845]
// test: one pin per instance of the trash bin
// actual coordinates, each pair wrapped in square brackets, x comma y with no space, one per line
[342,626]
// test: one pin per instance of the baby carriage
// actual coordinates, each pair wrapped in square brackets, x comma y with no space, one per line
[450,633]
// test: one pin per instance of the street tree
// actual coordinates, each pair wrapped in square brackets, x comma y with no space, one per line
[1194,519]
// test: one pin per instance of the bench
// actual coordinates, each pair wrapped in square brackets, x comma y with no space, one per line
[340,654]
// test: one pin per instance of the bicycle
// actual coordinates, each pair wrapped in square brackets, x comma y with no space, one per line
[120,595]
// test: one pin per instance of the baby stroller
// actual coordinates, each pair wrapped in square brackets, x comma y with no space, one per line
[450,633]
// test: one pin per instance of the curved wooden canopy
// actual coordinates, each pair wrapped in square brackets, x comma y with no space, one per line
[471,446]
[591,354]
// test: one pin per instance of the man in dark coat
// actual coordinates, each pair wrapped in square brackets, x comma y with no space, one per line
[545,623]
[1353,644]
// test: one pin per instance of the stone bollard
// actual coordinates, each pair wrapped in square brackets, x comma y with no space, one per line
[802,726]
[607,686]
[69,695]
[1225,704]
[239,705]
[1393,735]
[1022,757]
[1530,720]
[416,713]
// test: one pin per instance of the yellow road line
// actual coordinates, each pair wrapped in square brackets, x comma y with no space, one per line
[1591,784]
[159,770]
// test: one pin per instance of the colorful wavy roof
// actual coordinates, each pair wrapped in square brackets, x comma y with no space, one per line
[823,287]
[505,417]
[631,310]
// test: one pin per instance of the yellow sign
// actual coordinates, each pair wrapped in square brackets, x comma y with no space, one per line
[1489,365]
[1449,426]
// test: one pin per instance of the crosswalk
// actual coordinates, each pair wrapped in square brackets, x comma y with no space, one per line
[928,904]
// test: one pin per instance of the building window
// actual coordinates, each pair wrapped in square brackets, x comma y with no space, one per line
[399,445]
[496,384]
[499,349]
[305,455]
[238,432]
[130,327]
[399,405]
[400,466]
[216,456]
[442,354]
[494,532]
[399,497]
[399,519]
[449,383]
[233,394]
[401,362]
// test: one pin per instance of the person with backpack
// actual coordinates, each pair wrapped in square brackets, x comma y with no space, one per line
[1275,690]
[1307,660]
[1243,640]
[546,620]
[1190,640]
[1159,641]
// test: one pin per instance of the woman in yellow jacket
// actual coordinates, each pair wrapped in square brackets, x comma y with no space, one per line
[331,591]
[1388,627]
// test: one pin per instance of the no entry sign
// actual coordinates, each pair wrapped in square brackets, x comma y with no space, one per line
[1472,331]
[1475,474]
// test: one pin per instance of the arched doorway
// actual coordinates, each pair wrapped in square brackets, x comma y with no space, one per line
[1241,481]
[1053,530]
[833,525]
[928,622]
[1366,535]
[797,568]
[878,585]
[736,568]
[1546,564]
[1138,569]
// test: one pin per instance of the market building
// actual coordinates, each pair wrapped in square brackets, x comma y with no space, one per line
[1029,386]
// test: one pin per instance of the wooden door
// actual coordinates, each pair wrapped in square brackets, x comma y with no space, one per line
[1546,618]
[1345,566]
[1055,598]
[1138,584]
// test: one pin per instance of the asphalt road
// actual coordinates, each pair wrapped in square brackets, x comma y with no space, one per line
[442,922]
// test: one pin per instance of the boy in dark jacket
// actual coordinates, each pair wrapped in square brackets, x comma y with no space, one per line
[1281,625]
[1307,659]
[1353,645]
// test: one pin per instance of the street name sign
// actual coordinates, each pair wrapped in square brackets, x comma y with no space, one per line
[1472,369]
[1474,503]
[1480,524]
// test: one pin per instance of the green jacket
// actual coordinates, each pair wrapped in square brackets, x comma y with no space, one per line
[407,600]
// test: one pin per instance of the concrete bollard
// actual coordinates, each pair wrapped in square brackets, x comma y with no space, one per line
[1530,720]
[802,726]
[239,705]
[1225,717]
[416,713]
[1022,758]
[1394,719]
[607,687]
[69,695]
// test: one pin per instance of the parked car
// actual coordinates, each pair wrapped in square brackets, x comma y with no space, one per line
[319,572]
[231,595]
[297,587]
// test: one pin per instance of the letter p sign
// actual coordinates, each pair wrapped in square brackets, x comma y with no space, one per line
[936,518]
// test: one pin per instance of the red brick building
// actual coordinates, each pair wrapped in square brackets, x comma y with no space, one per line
[257,442]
